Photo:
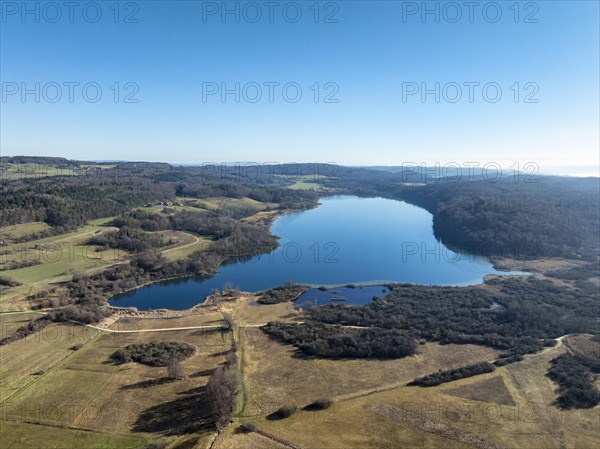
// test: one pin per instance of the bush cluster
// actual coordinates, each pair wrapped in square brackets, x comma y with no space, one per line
[287,292]
[454,374]
[156,353]
[329,341]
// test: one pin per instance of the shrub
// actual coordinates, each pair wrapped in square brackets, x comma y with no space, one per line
[285,412]
[247,427]
[8,282]
[76,347]
[320,404]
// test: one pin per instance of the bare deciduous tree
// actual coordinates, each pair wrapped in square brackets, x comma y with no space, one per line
[175,370]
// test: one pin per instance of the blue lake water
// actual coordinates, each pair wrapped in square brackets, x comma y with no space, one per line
[346,240]
[360,294]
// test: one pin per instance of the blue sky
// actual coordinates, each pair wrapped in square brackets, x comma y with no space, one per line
[366,58]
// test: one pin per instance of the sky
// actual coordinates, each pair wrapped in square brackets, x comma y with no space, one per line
[347,82]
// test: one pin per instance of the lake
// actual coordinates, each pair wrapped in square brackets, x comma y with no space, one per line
[357,294]
[346,240]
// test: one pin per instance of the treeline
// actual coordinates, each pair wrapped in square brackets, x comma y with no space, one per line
[155,353]
[575,375]
[221,391]
[338,342]
[441,377]
[31,327]
[219,223]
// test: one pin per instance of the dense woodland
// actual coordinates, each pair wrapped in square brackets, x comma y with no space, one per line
[284,293]
[516,316]
[155,353]
[575,375]
[339,342]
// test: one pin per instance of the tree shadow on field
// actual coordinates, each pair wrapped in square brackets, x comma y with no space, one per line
[203,373]
[207,331]
[179,417]
[148,383]
[195,390]
[218,354]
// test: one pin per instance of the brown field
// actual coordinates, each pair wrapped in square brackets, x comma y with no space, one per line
[135,323]
[536,266]
[31,436]
[247,312]
[235,440]
[509,408]
[38,352]
[81,399]
[491,390]
[431,418]
[276,376]
[88,391]
[584,344]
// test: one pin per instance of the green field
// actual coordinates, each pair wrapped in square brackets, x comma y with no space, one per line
[59,255]
[26,171]
[216,203]
[23,171]
[9,233]
[307,182]
[186,244]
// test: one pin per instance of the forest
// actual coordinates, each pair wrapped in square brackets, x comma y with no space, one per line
[65,202]
[520,218]
[522,316]
[337,342]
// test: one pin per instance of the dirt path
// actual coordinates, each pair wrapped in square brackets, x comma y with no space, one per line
[196,240]
[133,331]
